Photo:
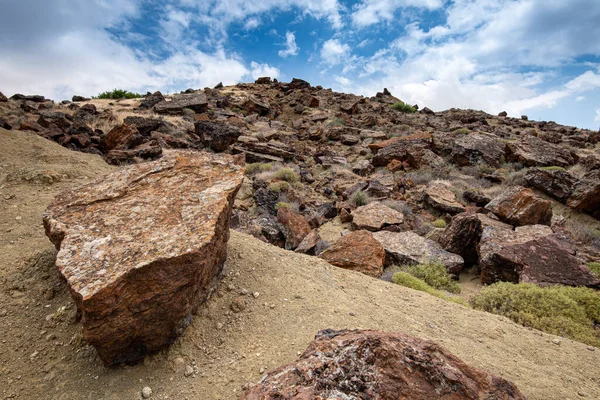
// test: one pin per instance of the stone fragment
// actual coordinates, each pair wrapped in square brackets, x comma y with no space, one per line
[196,102]
[3,98]
[408,248]
[556,183]
[586,194]
[477,148]
[375,216]
[532,151]
[440,197]
[309,243]
[462,237]
[149,150]
[31,126]
[295,227]
[519,206]
[122,137]
[218,136]
[380,366]
[357,251]
[5,125]
[141,248]
[254,105]
[77,98]
[151,100]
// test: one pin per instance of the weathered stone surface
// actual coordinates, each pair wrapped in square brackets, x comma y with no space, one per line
[48,118]
[413,149]
[309,243]
[144,125]
[380,366]
[462,237]
[3,98]
[520,206]
[151,101]
[403,248]
[586,194]
[31,126]
[477,148]
[5,125]
[141,248]
[36,98]
[476,197]
[77,98]
[556,183]
[535,152]
[295,227]
[375,216]
[149,150]
[254,105]
[531,254]
[217,136]
[196,102]
[362,168]
[357,251]
[440,197]
[122,137]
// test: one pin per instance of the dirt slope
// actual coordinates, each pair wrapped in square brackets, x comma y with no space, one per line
[236,335]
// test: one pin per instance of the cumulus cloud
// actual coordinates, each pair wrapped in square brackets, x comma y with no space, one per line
[259,70]
[291,49]
[333,52]
[369,12]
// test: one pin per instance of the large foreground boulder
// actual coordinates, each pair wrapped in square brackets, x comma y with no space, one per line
[380,366]
[141,248]
[357,251]
[520,206]
[408,248]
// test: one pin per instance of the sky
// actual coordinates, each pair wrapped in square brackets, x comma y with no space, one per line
[540,58]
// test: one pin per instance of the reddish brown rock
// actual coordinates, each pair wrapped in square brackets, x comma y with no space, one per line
[556,183]
[357,251]
[295,227]
[440,197]
[462,237]
[379,366]
[309,243]
[375,216]
[31,126]
[196,102]
[519,206]
[141,248]
[535,152]
[477,148]
[122,137]
[586,194]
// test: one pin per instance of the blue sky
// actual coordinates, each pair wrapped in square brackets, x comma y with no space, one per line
[534,57]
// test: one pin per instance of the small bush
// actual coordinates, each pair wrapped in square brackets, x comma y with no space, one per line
[118,94]
[188,112]
[402,107]
[284,205]
[566,311]
[434,274]
[439,223]
[553,168]
[286,174]
[255,168]
[338,122]
[407,280]
[461,131]
[594,268]
[280,186]
[359,198]
[516,178]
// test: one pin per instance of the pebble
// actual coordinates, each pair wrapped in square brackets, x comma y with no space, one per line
[146,392]
[256,294]
[189,371]
[556,341]
[590,348]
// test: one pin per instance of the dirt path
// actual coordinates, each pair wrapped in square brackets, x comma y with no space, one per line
[42,356]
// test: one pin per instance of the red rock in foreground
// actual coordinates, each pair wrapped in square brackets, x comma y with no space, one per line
[142,247]
[379,366]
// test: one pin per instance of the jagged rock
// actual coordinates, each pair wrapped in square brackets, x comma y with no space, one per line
[362,168]
[122,137]
[33,98]
[427,111]
[299,84]
[265,80]
[5,125]
[462,237]
[254,105]
[149,150]
[535,152]
[586,194]
[440,197]
[376,216]
[3,98]
[270,230]
[219,85]
[151,100]
[309,243]
[357,251]
[350,140]
[337,132]
[350,106]
[196,102]
[145,126]
[531,254]
[218,136]
[377,189]
[413,151]
[556,183]
[77,99]
[503,114]
[519,206]
[475,197]
[141,248]
[378,365]
[31,126]
[402,248]
[330,161]
[48,118]
[266,200]
[477,148]
[295,227]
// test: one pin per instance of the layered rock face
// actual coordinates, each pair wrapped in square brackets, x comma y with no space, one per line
[381,366]
[141,248]
[519,206]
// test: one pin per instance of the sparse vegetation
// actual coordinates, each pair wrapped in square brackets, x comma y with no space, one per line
[566,311]
[118,94]
[407,280]
[255,168]
[284,205]
[553,168]
[461,131]
[403,107]
[594,268]
[516,178]
[280,186]
[439,223]
[434,274]
[359,198]
[286,174]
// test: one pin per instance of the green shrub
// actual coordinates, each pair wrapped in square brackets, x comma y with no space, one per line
[284,205]
[280,186]
[188,112]
[434,274]
[403,107]
[118,94]
[286,174]
[553,168]
[255,168]
[461,131]
[566,311]
[359,198]
[439,223]
[407,280]
[594,268]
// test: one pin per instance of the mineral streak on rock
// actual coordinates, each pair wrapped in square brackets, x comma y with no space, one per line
[142,247]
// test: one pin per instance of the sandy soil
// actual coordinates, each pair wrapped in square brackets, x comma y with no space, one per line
[268,308]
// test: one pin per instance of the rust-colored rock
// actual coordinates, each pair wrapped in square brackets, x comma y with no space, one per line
[519,206]
[462,237]
[357,251]
[295,227]
[532,151]
[122,137]
[440,197]
[376,216]
[380,366]
[141,248]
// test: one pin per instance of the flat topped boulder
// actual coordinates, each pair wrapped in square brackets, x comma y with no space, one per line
[439,196]
[141,248]
[195,101]
[380,366]
[376,216]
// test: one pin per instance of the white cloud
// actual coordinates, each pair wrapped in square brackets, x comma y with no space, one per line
[579,98]
[252,23]
[291,49]
[597,119]
[333,52]
[370,12]
[259,70]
